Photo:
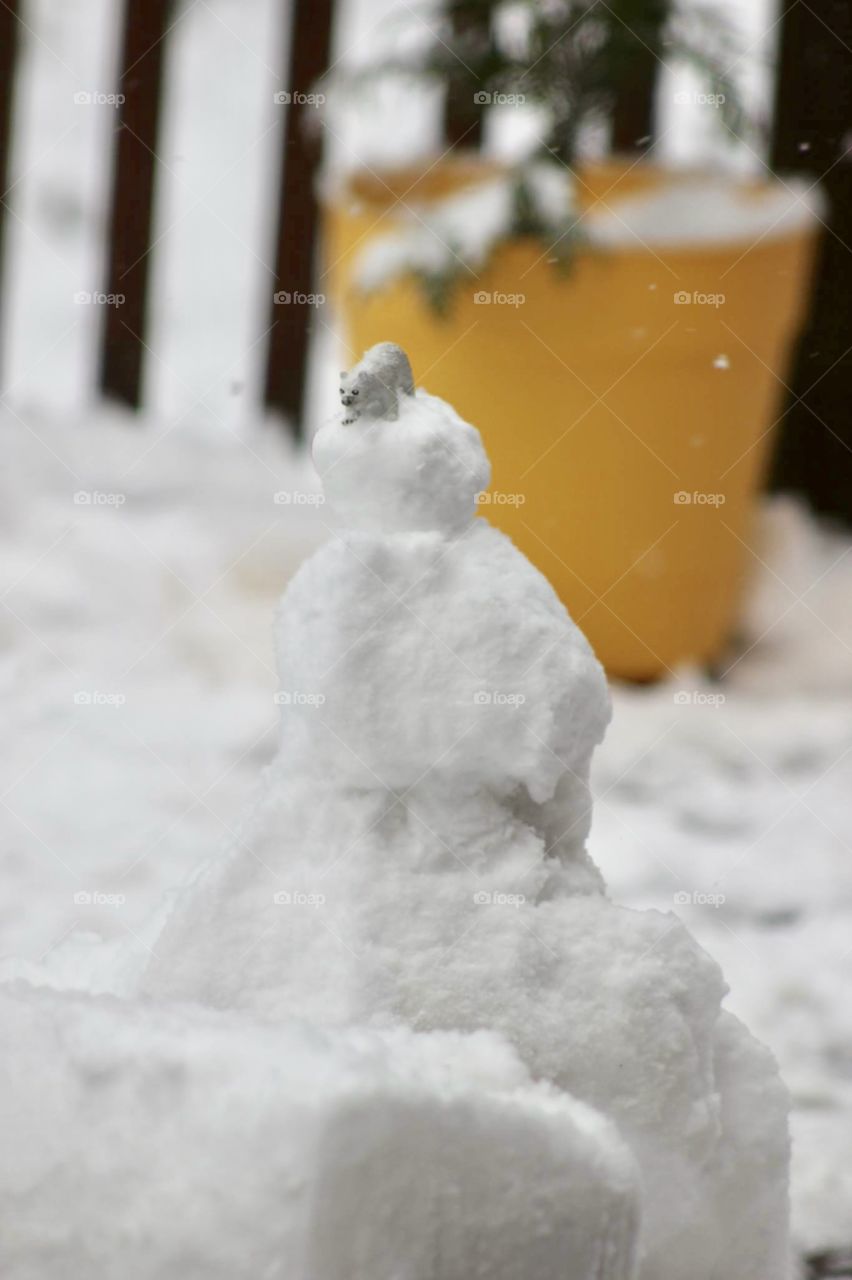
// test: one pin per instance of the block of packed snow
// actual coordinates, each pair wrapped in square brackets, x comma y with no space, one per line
[165,1144]
[417,857]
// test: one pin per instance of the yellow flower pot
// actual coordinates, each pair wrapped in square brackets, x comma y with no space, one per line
[629,429]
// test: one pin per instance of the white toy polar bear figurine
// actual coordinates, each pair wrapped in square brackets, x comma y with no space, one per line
[372,389]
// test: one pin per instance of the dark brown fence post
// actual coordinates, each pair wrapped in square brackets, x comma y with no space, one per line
[8,53]
[463,114]
[812,131]
[133,179]
[633,117]
[639,27]
[295,269]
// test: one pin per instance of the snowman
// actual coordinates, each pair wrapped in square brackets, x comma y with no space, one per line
[416,854]
[445,664]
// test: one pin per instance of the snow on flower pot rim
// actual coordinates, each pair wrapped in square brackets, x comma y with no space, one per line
[629,405]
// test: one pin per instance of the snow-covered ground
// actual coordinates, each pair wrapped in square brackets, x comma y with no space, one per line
[139,579]
[736,795]
[143,557]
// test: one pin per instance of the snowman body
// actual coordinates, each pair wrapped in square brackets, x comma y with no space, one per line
[435,650]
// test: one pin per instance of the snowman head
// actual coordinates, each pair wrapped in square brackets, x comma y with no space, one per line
[419,471]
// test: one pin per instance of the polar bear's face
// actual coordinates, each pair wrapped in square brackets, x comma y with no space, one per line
[349,389]
[366,393]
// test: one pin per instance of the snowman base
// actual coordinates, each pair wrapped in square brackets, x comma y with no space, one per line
[199,1144]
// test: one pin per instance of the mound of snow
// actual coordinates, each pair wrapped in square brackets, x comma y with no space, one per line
[417,855]
[162,1144]
[459,232]
[700,209]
